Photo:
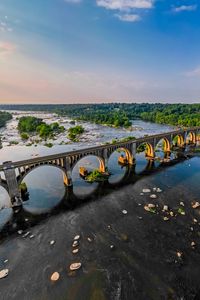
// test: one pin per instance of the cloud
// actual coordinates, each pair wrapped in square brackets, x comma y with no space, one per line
[125,5]
[128,17]
[4,26]
[127,10]
[193,73]
[184,8]
[6,48]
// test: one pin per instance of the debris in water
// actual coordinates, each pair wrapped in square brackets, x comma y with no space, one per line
[5,261]
[165,208]
[75,251]
[195,220]
[4,273]
[165,218]
[195,204]
[181,211]
[77,237]
[75,244]
[52,242]
[171,213]
[31,236]
[89,239]
[124,212]
[193,244]
[150,209]
[20,232]
[55,276]
[140,218]
[153,196]
[150,205]
[112,246]
[182,204]
[141,194]
[158,190]
[75,266]
[146,191]
[179,254]
[26,234]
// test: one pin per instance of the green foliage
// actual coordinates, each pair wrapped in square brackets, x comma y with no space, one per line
[75,132]
[96,175]
[23,187]
[49,145]
[28,124]
[24,136]
[4,117]
[123,140]
[120,114]
[141,148]
[14,142]
[33,125]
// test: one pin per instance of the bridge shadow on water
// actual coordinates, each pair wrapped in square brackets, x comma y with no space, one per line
[24,220]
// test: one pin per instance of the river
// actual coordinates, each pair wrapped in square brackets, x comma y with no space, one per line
[124,256]
[45,185]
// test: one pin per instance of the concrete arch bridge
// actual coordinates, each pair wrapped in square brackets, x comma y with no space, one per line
[14,172]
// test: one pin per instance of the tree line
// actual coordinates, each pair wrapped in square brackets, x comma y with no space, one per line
[121,114]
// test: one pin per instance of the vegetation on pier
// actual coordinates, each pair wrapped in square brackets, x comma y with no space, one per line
[4,117]
[97,176]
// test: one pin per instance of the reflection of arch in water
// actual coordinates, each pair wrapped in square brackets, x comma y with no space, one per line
[100,160]
[81,188]
[165,145]
[4,197]
[142,164]
[147,148]
[178,140]
[23,173]
[129,169]
[45,187]
[190,138]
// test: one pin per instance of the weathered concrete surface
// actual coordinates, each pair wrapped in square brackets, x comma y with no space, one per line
[142,265]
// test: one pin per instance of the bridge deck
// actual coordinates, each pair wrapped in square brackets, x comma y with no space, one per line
[41,159]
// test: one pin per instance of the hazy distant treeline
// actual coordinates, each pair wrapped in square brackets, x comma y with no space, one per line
[120,114]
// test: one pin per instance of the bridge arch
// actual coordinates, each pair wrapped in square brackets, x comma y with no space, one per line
[128,156]
[178,140]
[4,197]
[190,137]
[101,162]
[147,148]
[27,170]
[165,144]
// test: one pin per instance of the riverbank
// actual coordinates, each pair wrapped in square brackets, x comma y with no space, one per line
[125,251]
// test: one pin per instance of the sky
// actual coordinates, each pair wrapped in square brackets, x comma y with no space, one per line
[80,51]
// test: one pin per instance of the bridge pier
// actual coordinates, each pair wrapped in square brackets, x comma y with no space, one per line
[11,179]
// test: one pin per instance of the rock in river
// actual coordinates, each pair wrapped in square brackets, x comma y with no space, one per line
[75,266]
[3,273]
[55,276]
